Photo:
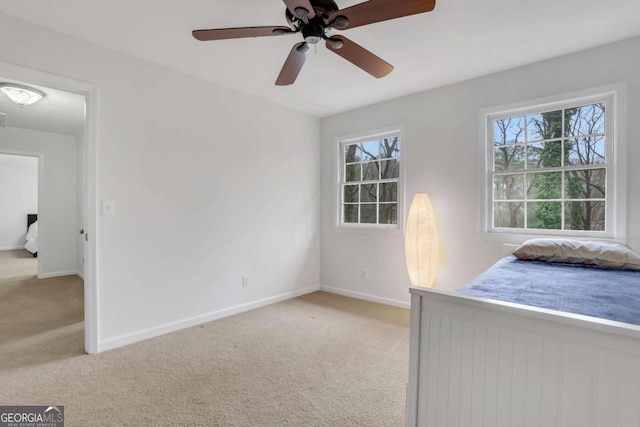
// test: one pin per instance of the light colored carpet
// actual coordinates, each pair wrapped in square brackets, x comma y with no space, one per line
[316,360]
[17,265]
[40,320]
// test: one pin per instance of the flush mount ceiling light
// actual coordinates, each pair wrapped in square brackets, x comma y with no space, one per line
[21,95]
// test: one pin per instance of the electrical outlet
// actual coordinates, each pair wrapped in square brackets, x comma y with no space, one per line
[245,281]
[364,273]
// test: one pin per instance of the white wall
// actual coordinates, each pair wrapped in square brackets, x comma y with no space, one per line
[442,149]
[209,184]
[57,212]
[18,197]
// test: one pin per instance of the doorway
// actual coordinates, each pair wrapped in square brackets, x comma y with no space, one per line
[18,217]
[77,262]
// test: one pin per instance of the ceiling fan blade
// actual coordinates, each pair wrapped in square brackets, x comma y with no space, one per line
[292,5]
[359,56]
[293,65]
[381,10]
[238,33]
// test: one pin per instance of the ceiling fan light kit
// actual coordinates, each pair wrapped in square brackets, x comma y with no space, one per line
[314,19]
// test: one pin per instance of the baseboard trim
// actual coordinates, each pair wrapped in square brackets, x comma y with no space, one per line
[80,274]
[366,297]
[57,274]
[167,328]
[12,248]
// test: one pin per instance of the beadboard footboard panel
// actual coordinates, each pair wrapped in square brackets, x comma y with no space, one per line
[476,362]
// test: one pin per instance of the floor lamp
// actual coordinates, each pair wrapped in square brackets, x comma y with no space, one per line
[421,242]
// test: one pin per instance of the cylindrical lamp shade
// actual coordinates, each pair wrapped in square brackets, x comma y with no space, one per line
[421,242]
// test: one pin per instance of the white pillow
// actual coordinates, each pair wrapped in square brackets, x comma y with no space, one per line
[597,253]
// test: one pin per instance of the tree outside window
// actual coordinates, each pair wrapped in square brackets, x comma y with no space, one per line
[550,169]
[369,186]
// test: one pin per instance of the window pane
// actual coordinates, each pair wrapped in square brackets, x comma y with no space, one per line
[508,215]
[585,151]
[351,214]
[369,193]
[368,214]
[371,150]
[370,171]
[585,216]
[352,173]
[586,184]
[390,169]
[544,155]
[365,199]
[508,131]
[549,169]
[351,194]
[352,153]
[544,126]
[390,148]
[389,192]
[509,158]
[544,215]
[544,185]
[585,120]
[508,187]
[388,213]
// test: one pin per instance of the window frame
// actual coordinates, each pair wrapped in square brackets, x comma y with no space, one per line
[615,163]
[339,144]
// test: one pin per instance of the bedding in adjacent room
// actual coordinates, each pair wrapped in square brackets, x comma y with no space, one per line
[612,294]
[32,238]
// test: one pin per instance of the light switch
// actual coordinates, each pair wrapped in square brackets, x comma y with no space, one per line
[108,208]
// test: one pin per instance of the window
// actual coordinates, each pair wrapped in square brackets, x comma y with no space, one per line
[550,169]
[370,181]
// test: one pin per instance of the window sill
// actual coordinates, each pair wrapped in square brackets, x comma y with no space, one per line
[520,237]
[391,229]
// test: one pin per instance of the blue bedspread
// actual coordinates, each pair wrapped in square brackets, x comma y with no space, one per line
[605,293]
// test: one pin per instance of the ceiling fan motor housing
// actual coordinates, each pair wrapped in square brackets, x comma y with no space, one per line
[322,8]
[313,31]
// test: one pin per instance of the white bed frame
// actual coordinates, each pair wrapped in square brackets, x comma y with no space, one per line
[482,363]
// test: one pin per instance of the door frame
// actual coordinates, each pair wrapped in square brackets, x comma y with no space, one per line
[90,92]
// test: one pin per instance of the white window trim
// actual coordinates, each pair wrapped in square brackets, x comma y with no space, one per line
[617,181]
[338,143]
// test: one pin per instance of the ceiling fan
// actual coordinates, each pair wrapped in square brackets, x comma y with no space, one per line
[314,19]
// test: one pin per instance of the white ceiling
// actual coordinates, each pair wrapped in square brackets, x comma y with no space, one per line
[58,112]
[461,39]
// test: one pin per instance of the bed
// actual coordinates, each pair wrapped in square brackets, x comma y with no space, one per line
[32,234]
[612,294]
[528,343]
